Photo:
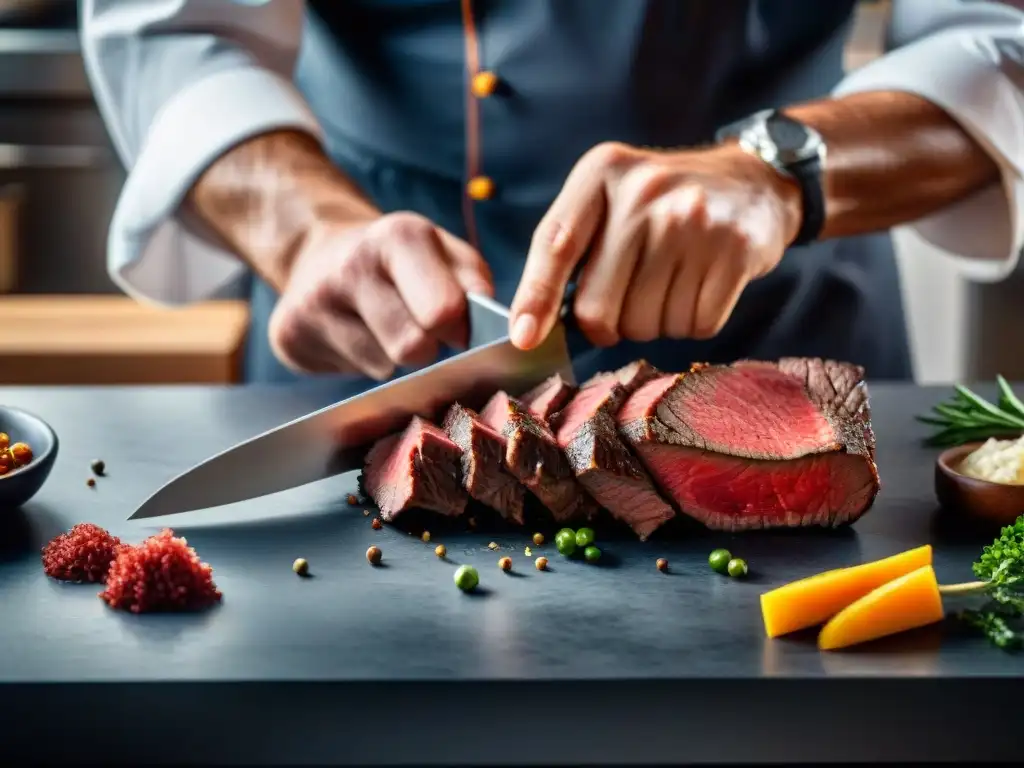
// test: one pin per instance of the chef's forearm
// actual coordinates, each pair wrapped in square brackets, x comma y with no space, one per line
[263,195]
[893,158]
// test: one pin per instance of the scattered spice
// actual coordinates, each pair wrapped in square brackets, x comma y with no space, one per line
[366,513]
[376,524]
[98,467]
[441,550]
[83,554]
[163,573]
[352,500]
[373,555]
[505,564]
[528,552]
[493,546]
[91,482]
[538,539]
[662,564]
[541,563]
[301,566]
[425,536]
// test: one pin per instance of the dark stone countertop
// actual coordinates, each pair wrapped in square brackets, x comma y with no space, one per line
[583,665]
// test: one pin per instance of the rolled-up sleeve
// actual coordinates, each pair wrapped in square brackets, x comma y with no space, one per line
[968,58]
[178,83]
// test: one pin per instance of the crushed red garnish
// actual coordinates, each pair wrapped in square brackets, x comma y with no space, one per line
[83,554]
[163,573]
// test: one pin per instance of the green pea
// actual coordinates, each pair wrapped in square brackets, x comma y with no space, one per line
[566,532]
[585,537]
[466,578]
[566,544]
[592,554]
[737,568]
[719,560]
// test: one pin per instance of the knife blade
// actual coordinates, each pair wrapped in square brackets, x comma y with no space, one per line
[334,440]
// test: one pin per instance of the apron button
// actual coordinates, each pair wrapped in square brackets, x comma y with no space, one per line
[484,84]
[480,188]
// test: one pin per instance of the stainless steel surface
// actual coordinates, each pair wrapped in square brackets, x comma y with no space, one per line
[334,440]
[36,63]
[54,146]
[15,156]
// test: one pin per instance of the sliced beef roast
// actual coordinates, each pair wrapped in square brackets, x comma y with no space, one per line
[484,474]
[758,444]
[601,460]
[532,455]
[548,397]
[417,469]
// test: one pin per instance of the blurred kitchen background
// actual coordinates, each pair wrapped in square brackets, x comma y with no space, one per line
[63,321]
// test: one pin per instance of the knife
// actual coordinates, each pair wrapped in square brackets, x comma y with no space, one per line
[335,439]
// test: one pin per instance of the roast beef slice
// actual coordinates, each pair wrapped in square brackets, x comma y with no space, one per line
[484,474]
[417,469]
[602,462]
[758,444]
[532,456]
[548,397]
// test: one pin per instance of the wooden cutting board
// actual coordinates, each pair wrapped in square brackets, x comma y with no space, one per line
[115,340]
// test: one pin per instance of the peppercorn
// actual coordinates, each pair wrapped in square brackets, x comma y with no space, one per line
[505,564]
[21,453]
[440,550]
[301,566]
[352,500]
[662,564]
[541,563]
[373,555]
[376,524]
[5,441]
[91,482]
[98,466]
[425,536]
[538,539]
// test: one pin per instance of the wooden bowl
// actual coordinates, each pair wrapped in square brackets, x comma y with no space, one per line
[22,484]
[994,504]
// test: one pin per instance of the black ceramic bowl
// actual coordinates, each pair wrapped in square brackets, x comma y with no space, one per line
[23,483]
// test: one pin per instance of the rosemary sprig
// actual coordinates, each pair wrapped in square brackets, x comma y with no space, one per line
[966,417]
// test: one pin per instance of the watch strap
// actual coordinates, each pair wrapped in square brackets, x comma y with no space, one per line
[808,174]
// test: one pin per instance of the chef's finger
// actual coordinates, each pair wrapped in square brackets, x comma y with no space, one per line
[413,256]
[389,318]
[644,303]
[560,241]
[352,341]
[606,278]
[681,302]
[719,293]
[298,342]
[471,271]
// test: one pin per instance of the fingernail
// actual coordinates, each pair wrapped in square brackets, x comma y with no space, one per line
[524,330]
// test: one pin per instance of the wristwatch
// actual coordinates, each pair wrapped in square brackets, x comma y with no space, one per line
[794,150]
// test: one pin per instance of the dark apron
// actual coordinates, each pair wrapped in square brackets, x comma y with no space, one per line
[387,80]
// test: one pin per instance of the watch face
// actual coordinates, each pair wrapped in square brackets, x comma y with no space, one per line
[790,138]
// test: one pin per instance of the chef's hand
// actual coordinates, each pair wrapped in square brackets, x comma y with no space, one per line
[370,297]
[669,239]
